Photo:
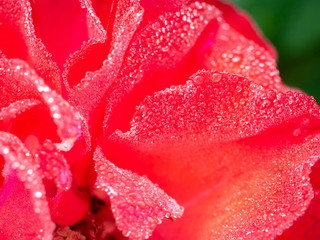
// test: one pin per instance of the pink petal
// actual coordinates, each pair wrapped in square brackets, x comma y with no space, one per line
[55,21]
[236,155]
[91,50]
[243,24]
[47,108]
[19,82]
[24,212]
[155,60]
[166,51]
[137,204]
[53,165]
[159,6]
[227,50]
[89,96]
[7,114]
[29,120]
[21,40]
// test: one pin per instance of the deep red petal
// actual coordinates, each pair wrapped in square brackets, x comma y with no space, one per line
[24,212]
[21,42]
[307,226]
[233,153]
[68,208]
[137,204]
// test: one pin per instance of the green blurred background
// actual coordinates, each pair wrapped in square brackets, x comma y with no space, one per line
[293,26]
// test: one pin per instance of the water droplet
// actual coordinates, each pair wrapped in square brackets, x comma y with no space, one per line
[165,49]
[236,59]
[6,151]
[56,115]
[38,194]
[297,132]
[216,77]
[37,210]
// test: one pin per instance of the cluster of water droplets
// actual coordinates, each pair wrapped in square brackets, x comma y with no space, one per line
[166,41]
[138,205]
[233,53]
[20,160]
[53,165]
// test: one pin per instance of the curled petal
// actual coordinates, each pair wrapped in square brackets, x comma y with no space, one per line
[91,50]
[54,23]
[137,204]
[14,109]
[236,155]
[155,60]
[20,82]
[243,24]
[53,165]
[227,50]
[24,212]
[307,226]
[68,207]
[221,105]
[89,96]
[22,42]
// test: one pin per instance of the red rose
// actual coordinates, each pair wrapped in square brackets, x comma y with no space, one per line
[118,115]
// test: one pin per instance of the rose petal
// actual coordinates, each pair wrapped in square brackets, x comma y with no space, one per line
[7,114]
[68,207]
[33,126]
[156,7]
[227,50]
[236,155]
[54,23]
[88,97]
[53,165]
[243,24]
[21,41]
[226,106]
[137,204]
[307,226]
[50,160]
[11,88]
[93,50]
[155,60]
[24,212]
[208,42]
[19,81]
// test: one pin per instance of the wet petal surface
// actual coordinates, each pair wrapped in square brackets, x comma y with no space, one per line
[21,41]
[137,204]
[236,155]
[24,210]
